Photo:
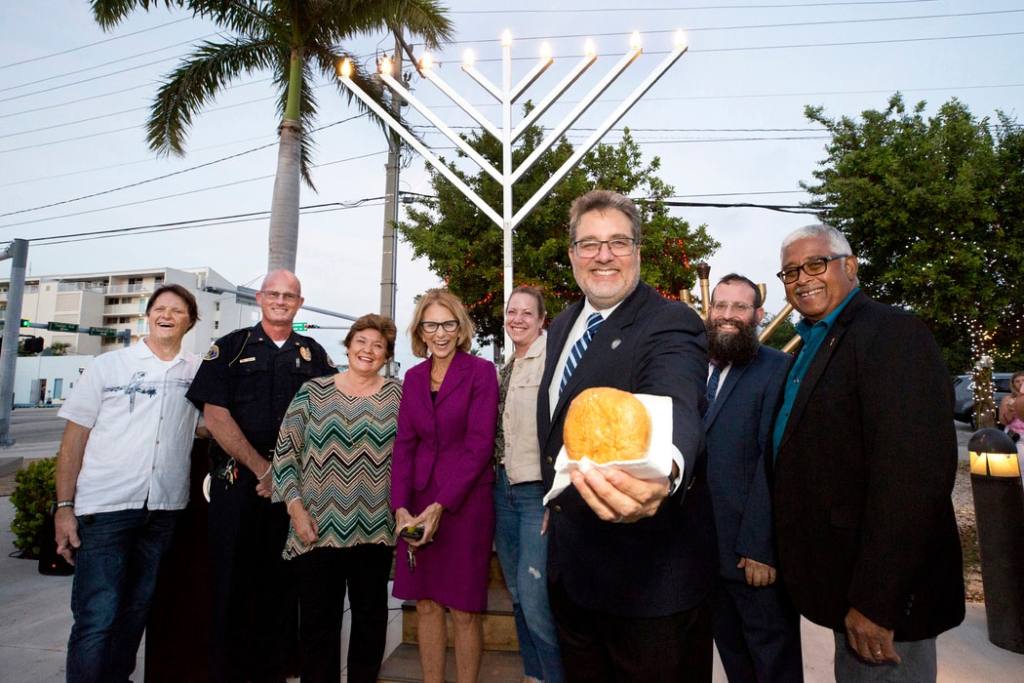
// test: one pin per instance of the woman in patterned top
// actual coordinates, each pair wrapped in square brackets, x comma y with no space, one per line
[332,467]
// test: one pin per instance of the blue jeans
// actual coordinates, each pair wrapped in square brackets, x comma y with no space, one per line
[115,574]
[523,554]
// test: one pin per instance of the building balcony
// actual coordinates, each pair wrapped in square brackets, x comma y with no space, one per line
[130,289]
[125,309]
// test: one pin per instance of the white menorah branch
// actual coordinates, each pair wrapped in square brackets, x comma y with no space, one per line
[507,134]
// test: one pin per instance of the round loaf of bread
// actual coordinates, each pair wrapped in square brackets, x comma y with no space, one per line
[606,425]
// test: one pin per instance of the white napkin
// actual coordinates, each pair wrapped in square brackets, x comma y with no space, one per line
[656,463]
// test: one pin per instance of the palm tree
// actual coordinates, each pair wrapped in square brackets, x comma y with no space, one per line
[294,39]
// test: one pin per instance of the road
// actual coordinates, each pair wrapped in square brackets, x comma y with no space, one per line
[36,433]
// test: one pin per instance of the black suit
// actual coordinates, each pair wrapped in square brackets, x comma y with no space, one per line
[863,478]
[756,630]
[663,565]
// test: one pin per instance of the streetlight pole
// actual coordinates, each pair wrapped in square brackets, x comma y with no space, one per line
[507,134]
[18,253]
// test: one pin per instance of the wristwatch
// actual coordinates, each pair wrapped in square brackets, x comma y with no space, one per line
[65,504]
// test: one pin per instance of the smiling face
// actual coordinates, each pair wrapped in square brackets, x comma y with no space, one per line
[280,298]
[725,314]
[522,321]
[605,279]
[1018,385]
[815,296]
[367,352]
[441,344]
[168,318]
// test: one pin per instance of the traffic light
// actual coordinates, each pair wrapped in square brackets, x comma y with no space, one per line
[26,323]
[32,345]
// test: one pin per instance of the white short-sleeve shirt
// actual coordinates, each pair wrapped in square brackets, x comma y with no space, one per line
[142,428]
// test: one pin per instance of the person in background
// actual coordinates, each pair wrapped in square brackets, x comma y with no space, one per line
[332,469]
[1011,408]
[122,481]
[519,491]
[441,481]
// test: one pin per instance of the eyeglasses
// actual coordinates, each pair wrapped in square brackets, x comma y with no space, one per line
[431,326]
[724,306]
[284,296]
[812,266]
[620,246]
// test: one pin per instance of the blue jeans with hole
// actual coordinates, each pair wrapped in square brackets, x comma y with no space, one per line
[115,574]
[523,554]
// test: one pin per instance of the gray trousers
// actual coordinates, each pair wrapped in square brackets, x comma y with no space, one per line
[918,663]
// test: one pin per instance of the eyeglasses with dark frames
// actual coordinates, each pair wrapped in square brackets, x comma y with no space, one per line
[812,266]
[619,246]
[431,326]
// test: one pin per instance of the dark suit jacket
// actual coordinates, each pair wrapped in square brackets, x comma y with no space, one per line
[863,479]
[739,431]
[664,564]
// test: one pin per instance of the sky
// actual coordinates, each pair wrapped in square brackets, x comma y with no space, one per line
[727,122]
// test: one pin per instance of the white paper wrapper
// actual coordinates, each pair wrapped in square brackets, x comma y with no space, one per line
[657,462]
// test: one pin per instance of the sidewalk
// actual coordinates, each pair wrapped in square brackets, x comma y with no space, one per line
[36,621]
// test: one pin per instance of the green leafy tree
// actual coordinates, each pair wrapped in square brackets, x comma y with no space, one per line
[294,40]
[464,247]
[934,208]
[782,334]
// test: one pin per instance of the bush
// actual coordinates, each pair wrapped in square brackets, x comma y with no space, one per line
[34,493]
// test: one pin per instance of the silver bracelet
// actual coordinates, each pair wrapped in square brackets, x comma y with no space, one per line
[65,504]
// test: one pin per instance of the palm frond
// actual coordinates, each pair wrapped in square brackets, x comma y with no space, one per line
[109,13]
[425,19]
[196,81]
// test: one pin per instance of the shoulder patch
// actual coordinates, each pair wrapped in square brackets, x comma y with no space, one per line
[212,353]
[304,352]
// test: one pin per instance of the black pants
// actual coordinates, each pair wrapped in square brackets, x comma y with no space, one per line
[602,648]
[254,624]
[323,575]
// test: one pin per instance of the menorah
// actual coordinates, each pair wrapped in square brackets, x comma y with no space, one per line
[508,133]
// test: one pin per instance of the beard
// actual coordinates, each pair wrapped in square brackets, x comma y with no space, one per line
[738,348]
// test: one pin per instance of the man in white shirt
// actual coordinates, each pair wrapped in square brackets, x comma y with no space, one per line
[122,478]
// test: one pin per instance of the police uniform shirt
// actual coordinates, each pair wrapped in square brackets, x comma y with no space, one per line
[247,373]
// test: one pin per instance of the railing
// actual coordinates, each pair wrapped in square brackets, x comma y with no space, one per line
[130,289]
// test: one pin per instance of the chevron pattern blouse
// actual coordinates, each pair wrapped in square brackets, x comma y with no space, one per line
[334,452]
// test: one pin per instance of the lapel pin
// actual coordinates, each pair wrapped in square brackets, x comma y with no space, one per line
[615,343]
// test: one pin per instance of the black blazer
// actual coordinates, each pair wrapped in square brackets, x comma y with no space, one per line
[739,432]
[863,479]
[664,564]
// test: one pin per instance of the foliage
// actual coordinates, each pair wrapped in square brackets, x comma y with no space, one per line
[782,334]
[57,349]
[464,247]
[35,491]
[934,208]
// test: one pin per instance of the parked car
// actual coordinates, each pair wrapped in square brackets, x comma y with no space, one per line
[963,388]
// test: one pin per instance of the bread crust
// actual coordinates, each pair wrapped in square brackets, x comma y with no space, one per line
[605,425]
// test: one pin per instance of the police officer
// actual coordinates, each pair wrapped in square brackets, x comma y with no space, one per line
[244,386]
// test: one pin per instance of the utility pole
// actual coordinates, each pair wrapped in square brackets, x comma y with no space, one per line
[389,256]
[18,253]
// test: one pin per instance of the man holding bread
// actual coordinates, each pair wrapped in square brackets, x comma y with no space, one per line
[631,562]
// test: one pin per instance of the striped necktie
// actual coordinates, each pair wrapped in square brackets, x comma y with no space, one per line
[716,374]
[594,321]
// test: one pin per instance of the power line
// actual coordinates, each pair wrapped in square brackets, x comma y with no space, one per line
[178,194]
[88,45]
[171,174]
[605,10]
[103,64]
[90,79]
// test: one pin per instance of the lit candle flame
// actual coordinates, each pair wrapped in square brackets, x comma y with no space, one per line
[506,38]
[545,51]
[589,48]
[385,66]
[468,58]
[344,68]
[680,39]
[635,42]
[426,61]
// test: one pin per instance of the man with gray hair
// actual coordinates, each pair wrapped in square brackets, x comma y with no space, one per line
[244,386]
[865,458]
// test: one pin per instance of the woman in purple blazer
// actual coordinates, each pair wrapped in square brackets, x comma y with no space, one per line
[441,481]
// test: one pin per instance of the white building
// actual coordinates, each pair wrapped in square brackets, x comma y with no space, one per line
[118,300]
[38,379]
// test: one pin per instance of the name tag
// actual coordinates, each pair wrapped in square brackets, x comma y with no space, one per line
[248,360]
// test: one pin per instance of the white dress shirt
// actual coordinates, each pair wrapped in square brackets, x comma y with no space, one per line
[721,377]
[141,430]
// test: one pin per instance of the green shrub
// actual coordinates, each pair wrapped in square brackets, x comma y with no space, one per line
[34,493]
